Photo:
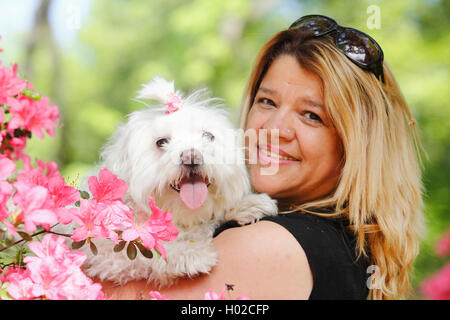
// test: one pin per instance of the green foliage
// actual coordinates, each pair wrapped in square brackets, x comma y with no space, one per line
[214,43]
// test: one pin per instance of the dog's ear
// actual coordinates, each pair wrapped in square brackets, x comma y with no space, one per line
[115,155]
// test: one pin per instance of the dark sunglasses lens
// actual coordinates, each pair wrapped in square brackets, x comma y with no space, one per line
[357,46]
[316,24]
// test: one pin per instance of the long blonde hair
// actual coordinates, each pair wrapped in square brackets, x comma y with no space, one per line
[380,189]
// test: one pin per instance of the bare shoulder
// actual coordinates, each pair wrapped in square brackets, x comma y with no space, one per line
[266,260]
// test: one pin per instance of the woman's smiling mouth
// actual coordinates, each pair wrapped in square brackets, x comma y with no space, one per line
[268,154]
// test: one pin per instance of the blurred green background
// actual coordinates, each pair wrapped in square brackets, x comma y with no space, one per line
[91,56]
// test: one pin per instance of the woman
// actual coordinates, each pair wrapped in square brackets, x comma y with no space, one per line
[347,180]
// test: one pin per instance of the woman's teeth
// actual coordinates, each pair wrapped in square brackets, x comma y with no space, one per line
[276,155]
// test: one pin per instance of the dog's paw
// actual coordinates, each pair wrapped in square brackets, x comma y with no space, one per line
[252,208]
[186,258]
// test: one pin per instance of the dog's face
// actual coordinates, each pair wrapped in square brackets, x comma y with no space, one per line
[190,161]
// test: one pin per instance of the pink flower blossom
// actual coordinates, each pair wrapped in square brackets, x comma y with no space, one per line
[212,295]
[144,232]
[10,85]
[36,209]
[158,227]
[20,285]
[163,219]
[443,245]
[92,220]
[156,295]
[60,194]
[55,271]
[437,287]
[34,115]
[13,148]
[7,167]
[107,187]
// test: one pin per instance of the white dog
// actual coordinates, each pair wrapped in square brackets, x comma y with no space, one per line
[184,154]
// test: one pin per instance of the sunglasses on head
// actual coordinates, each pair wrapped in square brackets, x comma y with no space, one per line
[359,47]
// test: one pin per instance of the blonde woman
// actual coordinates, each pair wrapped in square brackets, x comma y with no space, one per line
[348,179]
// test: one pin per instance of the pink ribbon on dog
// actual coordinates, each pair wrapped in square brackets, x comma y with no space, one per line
[174,103]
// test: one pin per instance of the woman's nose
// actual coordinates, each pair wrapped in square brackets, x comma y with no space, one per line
[280,121]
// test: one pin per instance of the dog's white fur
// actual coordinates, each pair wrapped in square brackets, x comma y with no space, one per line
[133,155]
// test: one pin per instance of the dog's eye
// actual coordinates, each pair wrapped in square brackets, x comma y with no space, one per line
[208,135]
[161,142]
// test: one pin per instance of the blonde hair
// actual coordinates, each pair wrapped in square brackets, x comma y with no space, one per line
[380,189]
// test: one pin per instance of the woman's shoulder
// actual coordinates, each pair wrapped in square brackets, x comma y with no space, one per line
[270,260]
[338,271]
[329,250]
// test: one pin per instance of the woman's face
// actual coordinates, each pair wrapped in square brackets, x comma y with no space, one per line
[290,100]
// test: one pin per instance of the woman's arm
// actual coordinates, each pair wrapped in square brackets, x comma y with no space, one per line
[262,261]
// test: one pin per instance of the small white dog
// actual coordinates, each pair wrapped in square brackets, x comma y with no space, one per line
[185,154]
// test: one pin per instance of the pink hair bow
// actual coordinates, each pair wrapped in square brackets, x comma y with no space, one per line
[163,91]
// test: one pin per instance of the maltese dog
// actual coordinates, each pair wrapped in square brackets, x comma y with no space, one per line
[185,153]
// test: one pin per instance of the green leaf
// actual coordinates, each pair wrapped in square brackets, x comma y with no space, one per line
[93,248]
[131,251]
[145,252]
[30,93]
[77,204]
[78,245]
[119,247]
[84,194]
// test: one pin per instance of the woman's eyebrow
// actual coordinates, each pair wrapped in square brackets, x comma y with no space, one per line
[303,100]
[311,103]
[267,90]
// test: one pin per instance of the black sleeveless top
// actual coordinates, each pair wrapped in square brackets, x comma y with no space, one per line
[331,254]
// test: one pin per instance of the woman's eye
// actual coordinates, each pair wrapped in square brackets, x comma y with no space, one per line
[265,101]
[161,142]
[208,135]
[312,116]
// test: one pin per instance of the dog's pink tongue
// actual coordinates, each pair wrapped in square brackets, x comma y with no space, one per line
[193,192]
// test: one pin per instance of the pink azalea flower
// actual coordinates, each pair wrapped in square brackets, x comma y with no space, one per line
[20,285]
[166,229]
[107,187]
[437,287]
[63,196]
[157,295]
[143,232]
[10,85]
[7,167]
[34,202]
[443,245]
[60,194]
[34,115]
[80,287]
[91,217]
[158,227]
[13,149]
[211,295]
[56,271]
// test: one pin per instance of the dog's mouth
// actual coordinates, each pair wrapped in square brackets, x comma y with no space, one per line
[193,190]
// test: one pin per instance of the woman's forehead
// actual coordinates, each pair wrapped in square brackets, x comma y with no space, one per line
[286,76]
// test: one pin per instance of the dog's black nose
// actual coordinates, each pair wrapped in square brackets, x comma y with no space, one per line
[191,158]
